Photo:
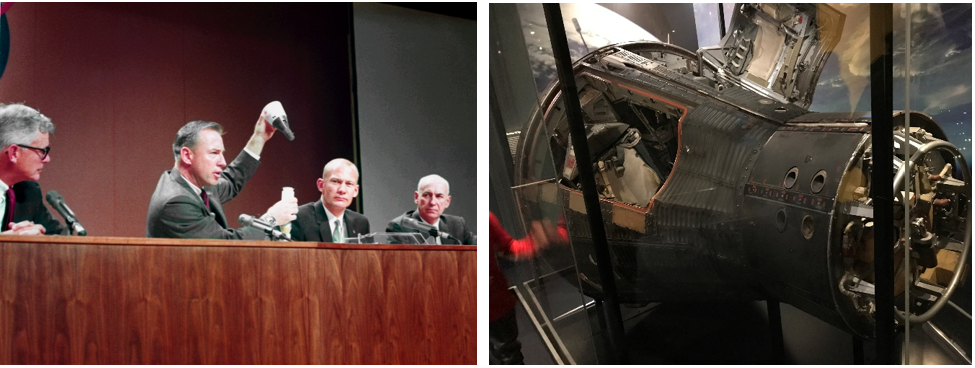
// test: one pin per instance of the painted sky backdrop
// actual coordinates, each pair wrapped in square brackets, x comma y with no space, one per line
[941,55]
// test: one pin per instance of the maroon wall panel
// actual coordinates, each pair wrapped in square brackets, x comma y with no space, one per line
[118,80]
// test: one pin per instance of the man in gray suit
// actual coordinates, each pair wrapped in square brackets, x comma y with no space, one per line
[329,220]
[432,197]
[188,199]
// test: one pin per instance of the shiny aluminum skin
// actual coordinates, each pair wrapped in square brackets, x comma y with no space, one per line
[755,204]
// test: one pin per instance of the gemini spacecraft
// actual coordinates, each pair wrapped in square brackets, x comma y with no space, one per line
[717,183]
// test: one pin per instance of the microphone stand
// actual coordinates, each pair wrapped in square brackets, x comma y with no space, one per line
[73,226]
[443,235]
[268,228]
[71,229]
[277,235]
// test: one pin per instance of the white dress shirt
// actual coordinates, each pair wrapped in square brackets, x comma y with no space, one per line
[3,199]
[436,225]
[332,223]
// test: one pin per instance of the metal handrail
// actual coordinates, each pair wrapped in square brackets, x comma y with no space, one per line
[960,268]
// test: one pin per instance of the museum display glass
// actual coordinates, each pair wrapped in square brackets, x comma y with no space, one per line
[743,170]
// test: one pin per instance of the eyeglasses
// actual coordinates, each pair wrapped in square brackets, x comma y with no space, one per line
[44,151]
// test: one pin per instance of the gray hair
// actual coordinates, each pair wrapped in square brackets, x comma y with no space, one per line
[20,124]
[336,164]
[187,135]
[432,179]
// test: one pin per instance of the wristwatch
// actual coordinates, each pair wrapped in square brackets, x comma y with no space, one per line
[268,219]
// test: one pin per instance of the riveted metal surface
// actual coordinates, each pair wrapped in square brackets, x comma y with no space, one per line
[797,256]
[699,202]
[723,225]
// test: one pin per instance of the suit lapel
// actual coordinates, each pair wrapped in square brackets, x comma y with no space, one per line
[217,209]
[324,229]
[214,201]
[442,226]
[416,216]
[350,226]
[445,226]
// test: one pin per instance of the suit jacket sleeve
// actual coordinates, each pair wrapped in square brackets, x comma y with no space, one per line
[51,225]
[394,225]
[361,223]
[297,232]
[304,225]
[182,217]
[176,212]
[234,177]
[464,234]
[35,210]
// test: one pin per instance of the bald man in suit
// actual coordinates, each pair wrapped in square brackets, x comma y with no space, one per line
[329,220]
[432,197]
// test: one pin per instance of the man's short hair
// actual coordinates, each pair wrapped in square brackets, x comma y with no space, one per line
[20,124]
[432,179]
[189,133]
[336,164]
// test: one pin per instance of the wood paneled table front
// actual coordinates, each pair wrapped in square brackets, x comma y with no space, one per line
[77,300]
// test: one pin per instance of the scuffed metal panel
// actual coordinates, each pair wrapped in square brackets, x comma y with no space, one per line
[778,248]
[724,225]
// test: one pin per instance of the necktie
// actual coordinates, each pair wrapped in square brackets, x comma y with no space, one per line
[8,217]
[206,200]
[337,235]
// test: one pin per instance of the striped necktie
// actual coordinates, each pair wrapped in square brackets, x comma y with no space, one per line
[206,199]
[337,233]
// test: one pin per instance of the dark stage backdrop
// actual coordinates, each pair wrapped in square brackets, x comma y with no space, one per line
[118,80]
[416,76]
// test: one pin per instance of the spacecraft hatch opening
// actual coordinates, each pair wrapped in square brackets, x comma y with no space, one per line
[717,183]
[633,142]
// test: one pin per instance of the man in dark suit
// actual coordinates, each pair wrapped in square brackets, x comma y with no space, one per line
[432,197]
[328,220]
[25,138]
[188,199]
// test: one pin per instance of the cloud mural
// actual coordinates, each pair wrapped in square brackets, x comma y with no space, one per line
[941,58]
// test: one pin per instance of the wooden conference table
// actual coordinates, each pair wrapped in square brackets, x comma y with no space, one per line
[78,300]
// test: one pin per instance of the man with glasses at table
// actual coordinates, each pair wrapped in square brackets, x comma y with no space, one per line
[25,136]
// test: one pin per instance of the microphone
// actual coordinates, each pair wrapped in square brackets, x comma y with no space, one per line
[57,202]
[274,114]
[262,225]
[422,227]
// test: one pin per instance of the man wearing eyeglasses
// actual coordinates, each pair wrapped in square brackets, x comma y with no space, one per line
[329,220]
[25,138]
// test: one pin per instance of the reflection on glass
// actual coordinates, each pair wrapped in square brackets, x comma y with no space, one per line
[743,170]
[551,296]
[932,70]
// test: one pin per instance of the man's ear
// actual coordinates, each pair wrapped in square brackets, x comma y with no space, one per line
[321,185]
[12,153]
[186,156]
